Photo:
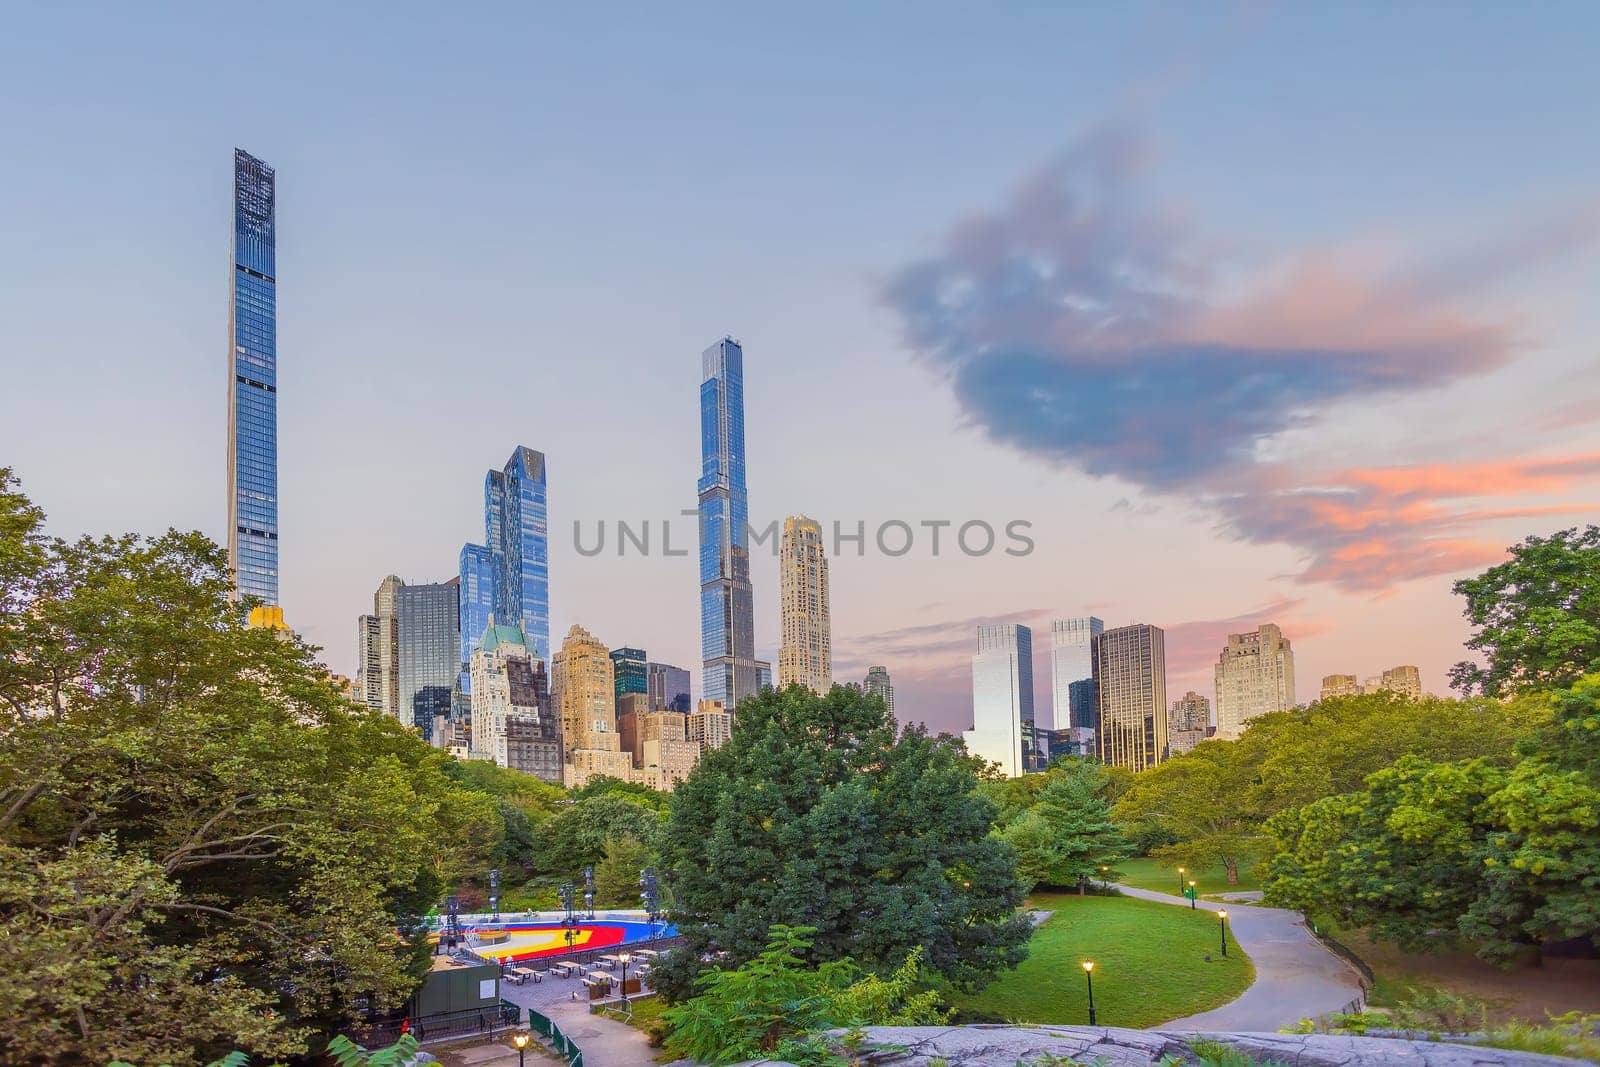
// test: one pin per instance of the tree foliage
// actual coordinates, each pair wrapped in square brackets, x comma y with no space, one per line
[774,1006]
[1536,616]
[1067,837]
[616,876]
[818,812]
[202,845]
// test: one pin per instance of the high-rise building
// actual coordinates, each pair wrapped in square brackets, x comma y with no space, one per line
[476,608]
[1130,678]
[668,687]
[1339,685]
[1188,722]
[1002,699]
[710,724]
[515,554]
[378,652]
[1406,681]
[1072,681]
[727,612]
[512,722]
[629,668]
[253,385]
[877,682]
[428,636]
[805,655]
[584,692]
[763,674]
[1254,676]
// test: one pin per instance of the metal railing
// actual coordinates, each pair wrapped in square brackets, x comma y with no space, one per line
[486,1020]
[547,1028]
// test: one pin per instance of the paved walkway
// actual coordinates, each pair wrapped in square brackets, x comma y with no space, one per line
[605,1042]
[1296,978]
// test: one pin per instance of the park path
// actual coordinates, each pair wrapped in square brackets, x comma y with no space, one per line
[1296,978]
[605,1042]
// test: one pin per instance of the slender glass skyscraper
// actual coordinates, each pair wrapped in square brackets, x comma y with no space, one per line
[253,383]
[509,574]
[1002,698]
[727,613]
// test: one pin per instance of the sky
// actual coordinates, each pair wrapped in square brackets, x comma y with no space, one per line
[1253,313]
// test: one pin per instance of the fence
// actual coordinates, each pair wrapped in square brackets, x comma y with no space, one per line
[486,1020]
[564,1045]
[1368,979]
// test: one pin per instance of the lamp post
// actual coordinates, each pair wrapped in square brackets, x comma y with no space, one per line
[1105,877]
[1181,872]
[521,1039]
[625,957]
[1223,915]
[1088,976]
[1192,894]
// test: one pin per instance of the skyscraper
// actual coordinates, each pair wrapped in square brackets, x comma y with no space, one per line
[1254,675]
[515,554]
[630,671]
[1188,722]
[1130,677]
[877,682]
[1002,698]
[512,722]
[1072,676]
[427,628]
[584,694]
[378,652]
[1407,681]
[668,687]
[253,387]
[763,674]
[476,606]
[805,656]
[727,613]
[1339,685]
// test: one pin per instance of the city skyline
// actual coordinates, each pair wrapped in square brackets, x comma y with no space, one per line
[404,296]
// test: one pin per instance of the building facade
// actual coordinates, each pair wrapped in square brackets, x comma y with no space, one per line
[727,611]
[710,724]
[427,629]
[512,722]
[763,675]
[1188,723]
[1339,685]
[879,684]
[1002,699]
[630,669]
[668,687]
[1254,675]
[1406,681]
[1130,676]
[253,383]
[514,559]
[378,652]
[475,568]
[583,692]
[1072,694]
[805,653]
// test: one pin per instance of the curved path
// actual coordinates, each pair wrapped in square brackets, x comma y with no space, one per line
[1296,978]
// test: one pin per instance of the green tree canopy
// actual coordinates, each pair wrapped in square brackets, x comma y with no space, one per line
[1536,617]
[202,845]
[817,812]
[577,836]
[1067,837]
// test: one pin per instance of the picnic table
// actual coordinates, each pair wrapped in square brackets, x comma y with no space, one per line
[609,962]
[520,975]
[647,953]
[565,970]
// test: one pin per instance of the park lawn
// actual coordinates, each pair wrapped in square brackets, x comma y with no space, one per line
[1150,965]
[1142,872]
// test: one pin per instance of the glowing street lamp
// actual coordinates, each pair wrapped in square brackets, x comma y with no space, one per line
[520,1039]
[1181,872]
[1088,976]
[625,957]
[1192,894]
[1223,915]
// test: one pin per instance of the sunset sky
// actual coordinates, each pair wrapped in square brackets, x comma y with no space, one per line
[1257,313]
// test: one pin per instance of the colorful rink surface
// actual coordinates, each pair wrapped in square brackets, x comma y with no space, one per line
[533,940]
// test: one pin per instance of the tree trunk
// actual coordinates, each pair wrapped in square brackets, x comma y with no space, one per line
[1083,886]
[1233,871]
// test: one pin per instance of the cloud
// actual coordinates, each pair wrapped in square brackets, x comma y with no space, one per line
[1367,528]
[1080,324]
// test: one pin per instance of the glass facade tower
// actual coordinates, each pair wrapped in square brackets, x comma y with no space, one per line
[1002,699]
[476,604]
[1072,671]
[428,637]
[253,383]
[668,687]
[509,574]
[727,622]
[1130,678]
[630,669]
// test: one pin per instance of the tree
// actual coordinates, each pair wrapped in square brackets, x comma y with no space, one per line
[1200,797]
[1536,616]
[577,837]
[818,811]
[202,844]
[1068,837]
[616,876]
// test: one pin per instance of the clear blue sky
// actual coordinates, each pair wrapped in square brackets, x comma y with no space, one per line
[501,226]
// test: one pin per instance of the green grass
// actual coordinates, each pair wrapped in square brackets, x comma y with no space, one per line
[1146,873]
[1149,959]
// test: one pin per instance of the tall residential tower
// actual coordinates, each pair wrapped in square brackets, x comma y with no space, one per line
[1130,678]
[253,388]
[1255,675]
[727,613]
[805,656]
